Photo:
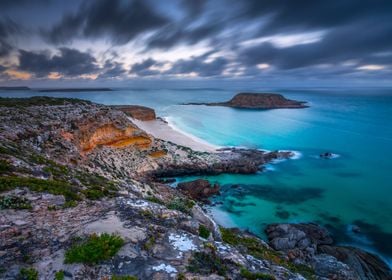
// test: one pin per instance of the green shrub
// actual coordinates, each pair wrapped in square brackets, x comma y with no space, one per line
[206,263]
[14,202]
[59,275]
[28,274]
[122,277]
[246,274]
[204,231]
[4,166]
[70,204]
[149,243]
[181,204]
[38,101]
[39,185]
[154,199]
[95,249]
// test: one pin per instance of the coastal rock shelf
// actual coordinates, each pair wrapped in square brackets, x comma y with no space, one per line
[262,101]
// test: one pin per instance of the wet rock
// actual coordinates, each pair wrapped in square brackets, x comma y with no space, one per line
[366,265]
[199,189]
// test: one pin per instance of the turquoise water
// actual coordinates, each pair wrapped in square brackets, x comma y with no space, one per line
[354,188]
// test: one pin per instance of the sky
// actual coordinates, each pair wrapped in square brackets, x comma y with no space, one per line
[121,42]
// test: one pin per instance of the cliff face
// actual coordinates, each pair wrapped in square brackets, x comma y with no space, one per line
[137,112]
[112,136]
[262,101]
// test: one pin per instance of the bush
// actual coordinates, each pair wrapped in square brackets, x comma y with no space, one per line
[28,274]
[204,232]
[14,202]
[4,166]
[206,263]
[39,185]
[95,249]
[246,274]
[154,199]
[121,277]
[181,204]
[59,275]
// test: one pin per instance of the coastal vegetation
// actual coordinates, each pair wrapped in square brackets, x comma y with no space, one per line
[28,274]
[38,101]
[94,249]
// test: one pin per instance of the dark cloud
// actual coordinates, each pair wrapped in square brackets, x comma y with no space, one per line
[112,70]
[353,30]
[200,66]
[307,14]
[144,68]
[69,62]
[120,21]
[336,46]
[194,8]
[7,29]
[173,35]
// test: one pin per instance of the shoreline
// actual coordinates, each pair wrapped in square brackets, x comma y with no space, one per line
[165,129]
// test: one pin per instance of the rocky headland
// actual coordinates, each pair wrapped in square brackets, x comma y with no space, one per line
[137,112]
[81,197]
[261,101]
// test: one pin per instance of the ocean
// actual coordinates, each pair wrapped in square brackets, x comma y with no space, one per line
[353,188]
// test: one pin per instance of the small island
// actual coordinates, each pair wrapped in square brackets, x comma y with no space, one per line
[15,88]
[262,101]
[74,89]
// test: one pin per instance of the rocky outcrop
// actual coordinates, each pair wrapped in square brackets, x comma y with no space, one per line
[137,112]
[199,190]
[111,135]
[261,101]
[313,245]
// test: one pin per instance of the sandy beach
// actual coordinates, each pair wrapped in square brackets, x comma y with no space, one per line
[163,130]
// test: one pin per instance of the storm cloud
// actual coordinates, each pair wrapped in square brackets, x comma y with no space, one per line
[119,20]
[250,38]
[68,62]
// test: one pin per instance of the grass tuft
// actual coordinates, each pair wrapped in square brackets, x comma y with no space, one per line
[204,231]
[95,249]
[28,274]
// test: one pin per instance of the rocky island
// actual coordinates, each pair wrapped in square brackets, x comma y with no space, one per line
[261,101]
[81,197]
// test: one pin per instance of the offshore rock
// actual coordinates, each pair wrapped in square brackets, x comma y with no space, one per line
[261,101]
[198,189]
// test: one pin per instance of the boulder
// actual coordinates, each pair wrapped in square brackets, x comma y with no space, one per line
[198,189]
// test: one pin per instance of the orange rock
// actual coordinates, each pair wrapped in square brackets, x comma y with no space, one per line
[112,136]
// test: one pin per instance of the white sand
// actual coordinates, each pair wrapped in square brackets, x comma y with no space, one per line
[162,130]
